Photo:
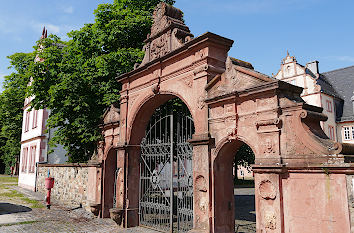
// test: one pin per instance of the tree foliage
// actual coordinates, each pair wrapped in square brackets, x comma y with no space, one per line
[244,157]
[11,107]
[76,79]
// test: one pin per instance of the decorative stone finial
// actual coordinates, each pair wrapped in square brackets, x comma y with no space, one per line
[168,32]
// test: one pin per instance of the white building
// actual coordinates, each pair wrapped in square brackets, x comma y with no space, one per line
[34,144]
[333,91]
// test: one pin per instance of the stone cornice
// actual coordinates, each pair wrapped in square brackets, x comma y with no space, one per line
[257,89]
[32,139]
[327,169]
[201,139]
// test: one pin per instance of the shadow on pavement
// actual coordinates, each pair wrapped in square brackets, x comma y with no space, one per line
[8,208]
[245,208]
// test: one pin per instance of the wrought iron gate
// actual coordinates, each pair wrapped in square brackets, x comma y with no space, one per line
[166,172]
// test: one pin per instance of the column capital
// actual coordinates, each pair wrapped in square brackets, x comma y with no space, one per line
[201,139]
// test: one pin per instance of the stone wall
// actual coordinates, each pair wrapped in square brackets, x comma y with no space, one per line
[70,182]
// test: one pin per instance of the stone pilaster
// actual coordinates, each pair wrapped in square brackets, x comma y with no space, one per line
[202,183]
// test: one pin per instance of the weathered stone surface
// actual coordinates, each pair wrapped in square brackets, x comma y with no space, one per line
[350,187]
[231,104]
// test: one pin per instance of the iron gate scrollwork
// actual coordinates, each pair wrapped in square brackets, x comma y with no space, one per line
[166,171]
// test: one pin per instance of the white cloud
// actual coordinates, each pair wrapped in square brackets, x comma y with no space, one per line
[68,10]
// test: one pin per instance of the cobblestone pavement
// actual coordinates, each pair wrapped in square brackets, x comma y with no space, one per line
[18,215]
[245,215]
[61,219]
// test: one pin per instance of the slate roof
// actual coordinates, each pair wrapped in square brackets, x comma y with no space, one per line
[326,86]
[342,83]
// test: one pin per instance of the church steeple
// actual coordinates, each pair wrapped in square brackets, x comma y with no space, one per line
[44,33]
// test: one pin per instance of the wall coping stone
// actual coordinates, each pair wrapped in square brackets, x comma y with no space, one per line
[69,165]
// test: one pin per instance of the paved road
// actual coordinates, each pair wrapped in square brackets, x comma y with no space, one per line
[245,215]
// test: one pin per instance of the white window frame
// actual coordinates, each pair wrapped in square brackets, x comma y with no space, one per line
[329,106]
[346,132]
[331,132]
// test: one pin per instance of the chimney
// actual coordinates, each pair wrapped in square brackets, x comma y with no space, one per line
[313,66]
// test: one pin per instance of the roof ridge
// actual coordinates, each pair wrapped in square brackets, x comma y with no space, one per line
[339,69]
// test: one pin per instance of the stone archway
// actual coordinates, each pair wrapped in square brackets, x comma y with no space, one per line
[223,194]
[129,155]
[230,102]
[110,167]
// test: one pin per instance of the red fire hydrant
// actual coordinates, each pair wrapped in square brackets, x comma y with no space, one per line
[12,170]
[49,184]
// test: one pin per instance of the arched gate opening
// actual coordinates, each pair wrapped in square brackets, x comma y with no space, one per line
[109,182]
[166,169]
[234,203]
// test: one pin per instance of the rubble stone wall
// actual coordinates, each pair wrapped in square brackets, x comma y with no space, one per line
[70,182]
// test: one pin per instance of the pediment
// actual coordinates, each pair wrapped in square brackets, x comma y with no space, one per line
[112,114]
[238,76]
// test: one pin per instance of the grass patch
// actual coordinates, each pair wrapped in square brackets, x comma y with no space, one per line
[10,184]
[19,223]
[8,179]
[12,193]
[35,203]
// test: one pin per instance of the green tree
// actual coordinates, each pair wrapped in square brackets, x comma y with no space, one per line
[244,157]
[11,108]
[76,79]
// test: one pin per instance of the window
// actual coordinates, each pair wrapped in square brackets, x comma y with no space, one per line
[329,105]
[24,159]
[331,132]
[34,123]
[352,132]
[32,159]
[27,121]
[346,133]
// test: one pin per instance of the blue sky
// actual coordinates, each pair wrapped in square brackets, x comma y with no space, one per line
[263,30]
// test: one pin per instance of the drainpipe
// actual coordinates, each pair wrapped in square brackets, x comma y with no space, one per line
[48,146]
[35,179]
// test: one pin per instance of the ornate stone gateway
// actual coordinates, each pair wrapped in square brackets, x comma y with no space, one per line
[166,191]
[300,174]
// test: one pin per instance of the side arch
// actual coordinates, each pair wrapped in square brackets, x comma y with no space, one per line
[225,140]
[110,166]
[223,190]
